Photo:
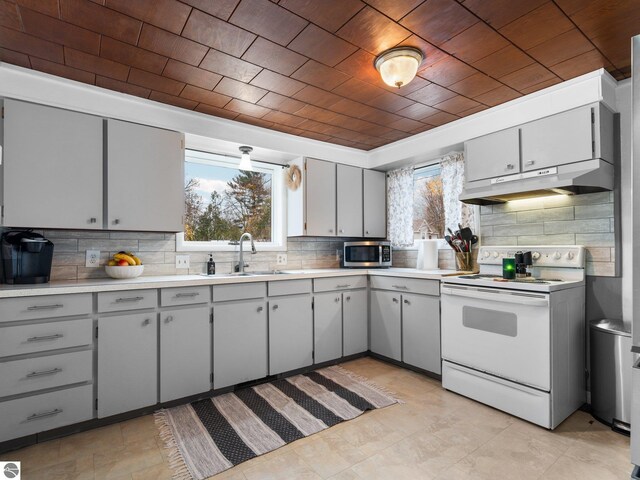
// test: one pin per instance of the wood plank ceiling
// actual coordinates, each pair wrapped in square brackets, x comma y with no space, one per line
[305,67]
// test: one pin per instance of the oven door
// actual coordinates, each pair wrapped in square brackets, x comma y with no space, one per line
[500,332]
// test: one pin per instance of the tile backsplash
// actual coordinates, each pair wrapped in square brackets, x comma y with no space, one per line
[558,220]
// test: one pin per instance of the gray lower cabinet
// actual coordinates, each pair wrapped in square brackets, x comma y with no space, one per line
[385,324]
[239,342]
[355,322]
[127,362]
[185,352]
[421,332]
[290,333]
[327,326]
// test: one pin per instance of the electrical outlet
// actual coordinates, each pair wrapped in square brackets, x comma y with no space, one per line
[281,259]
[92,259]
[182,261]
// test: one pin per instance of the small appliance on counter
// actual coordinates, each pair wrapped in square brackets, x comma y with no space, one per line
[371,254]
[26,257]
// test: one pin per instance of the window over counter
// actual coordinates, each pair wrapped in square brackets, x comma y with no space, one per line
[222,202]
[428,203]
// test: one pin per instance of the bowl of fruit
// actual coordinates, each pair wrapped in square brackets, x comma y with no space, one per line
[124,265]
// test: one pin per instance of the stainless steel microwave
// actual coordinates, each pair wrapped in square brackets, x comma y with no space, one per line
[367,254]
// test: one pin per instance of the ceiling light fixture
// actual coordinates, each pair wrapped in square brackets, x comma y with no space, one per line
[245,158]
[398,66]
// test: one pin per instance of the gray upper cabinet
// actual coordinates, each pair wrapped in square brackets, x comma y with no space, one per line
[580,134]
[145,182]
[492,155]
[375,204]
[349,201]
[320,184]
[52,167]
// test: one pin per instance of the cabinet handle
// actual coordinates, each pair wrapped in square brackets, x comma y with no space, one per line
[346,285]
[275,307]
[367,232]
[43,373]
[128,299]
[347,298]
[146,322]
[187,295]
[337,299]
[400,287]
[45,307]
[116,221]
[37,416]
[45,337]
[509,166]
[395,300]
[331,230]
[529,163]
[407,302]
[260,309]
[169,319]
[93,220]
[342,230]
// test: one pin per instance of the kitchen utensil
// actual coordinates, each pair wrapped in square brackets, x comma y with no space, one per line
[449,240]
[474,239]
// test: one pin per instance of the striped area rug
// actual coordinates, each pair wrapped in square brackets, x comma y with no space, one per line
[209,436]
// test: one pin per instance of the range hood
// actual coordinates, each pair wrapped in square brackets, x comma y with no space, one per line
[588,176]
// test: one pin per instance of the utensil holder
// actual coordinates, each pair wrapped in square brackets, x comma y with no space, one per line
[465,262]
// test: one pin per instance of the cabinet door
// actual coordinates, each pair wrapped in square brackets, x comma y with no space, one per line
[185,353]
[375,204]
[355,324]
[239,342]
[145,178]
[492,155]
[52,167]
[327,326]
[558,139]
[349,201]
[421,332]
[127,363]
[290,333]
[320,187]
[385,324]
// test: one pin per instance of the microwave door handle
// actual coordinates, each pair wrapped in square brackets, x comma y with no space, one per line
[497,296]
[380,254]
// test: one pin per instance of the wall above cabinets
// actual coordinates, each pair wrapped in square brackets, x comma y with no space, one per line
[64,169]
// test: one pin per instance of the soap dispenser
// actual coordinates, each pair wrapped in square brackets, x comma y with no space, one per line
[211,265]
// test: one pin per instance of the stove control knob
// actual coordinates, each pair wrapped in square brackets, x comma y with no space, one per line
[570,255]
[486,254]
[557,255]
[496,254]
[535,255]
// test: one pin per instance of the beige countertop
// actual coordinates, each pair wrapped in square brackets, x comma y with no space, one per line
[168,281]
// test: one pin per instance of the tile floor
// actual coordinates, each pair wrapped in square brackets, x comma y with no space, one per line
[435,435]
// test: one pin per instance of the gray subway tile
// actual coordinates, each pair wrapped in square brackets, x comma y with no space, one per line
[603,210]
[560,239]
[545,215]
[108,245]
[66,245]
[595,239]
[136,236]
[601,269]
[520,229]
[157,245]
[573,226]
[499,219]
[499,241]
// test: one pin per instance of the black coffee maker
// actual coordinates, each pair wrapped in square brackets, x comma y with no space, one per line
[523,262]
[26,257]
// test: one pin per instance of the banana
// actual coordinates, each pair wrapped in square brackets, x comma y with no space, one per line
[137,260]
[112,263]
[124,256]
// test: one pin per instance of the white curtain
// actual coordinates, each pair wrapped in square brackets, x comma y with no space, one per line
[452,174]
[400,207]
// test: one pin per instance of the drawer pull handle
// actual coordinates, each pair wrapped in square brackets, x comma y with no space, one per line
[187,295]
[347,298]
[128,299]
[37,416]
[44,373]
[509,166]
[345,285]
[407,301]
[395,300]
[45,307]
[529,163]
[169,319]
[146,322]
[45,338]
[337,299]
[401,287]
[275,307]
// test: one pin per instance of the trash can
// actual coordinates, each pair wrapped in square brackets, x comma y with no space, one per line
[611,364]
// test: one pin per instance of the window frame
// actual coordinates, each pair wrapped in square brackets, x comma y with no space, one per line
[278,238]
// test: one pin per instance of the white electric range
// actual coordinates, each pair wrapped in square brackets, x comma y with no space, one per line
[518,345]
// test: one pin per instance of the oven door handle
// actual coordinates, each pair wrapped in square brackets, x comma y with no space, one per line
[495,295]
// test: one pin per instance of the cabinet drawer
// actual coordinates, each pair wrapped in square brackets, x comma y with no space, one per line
[184,296]
[41,337]
[289,287]
[31,374]
[127,300]
[49,306]
[400,284]
[26,416]
[223,293]
[339,283]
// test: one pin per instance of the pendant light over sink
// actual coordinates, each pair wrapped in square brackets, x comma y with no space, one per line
[398,66]
[245,158]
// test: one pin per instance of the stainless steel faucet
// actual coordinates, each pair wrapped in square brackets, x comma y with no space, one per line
[246,235]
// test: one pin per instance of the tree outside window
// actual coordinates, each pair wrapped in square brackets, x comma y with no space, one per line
[428,205]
